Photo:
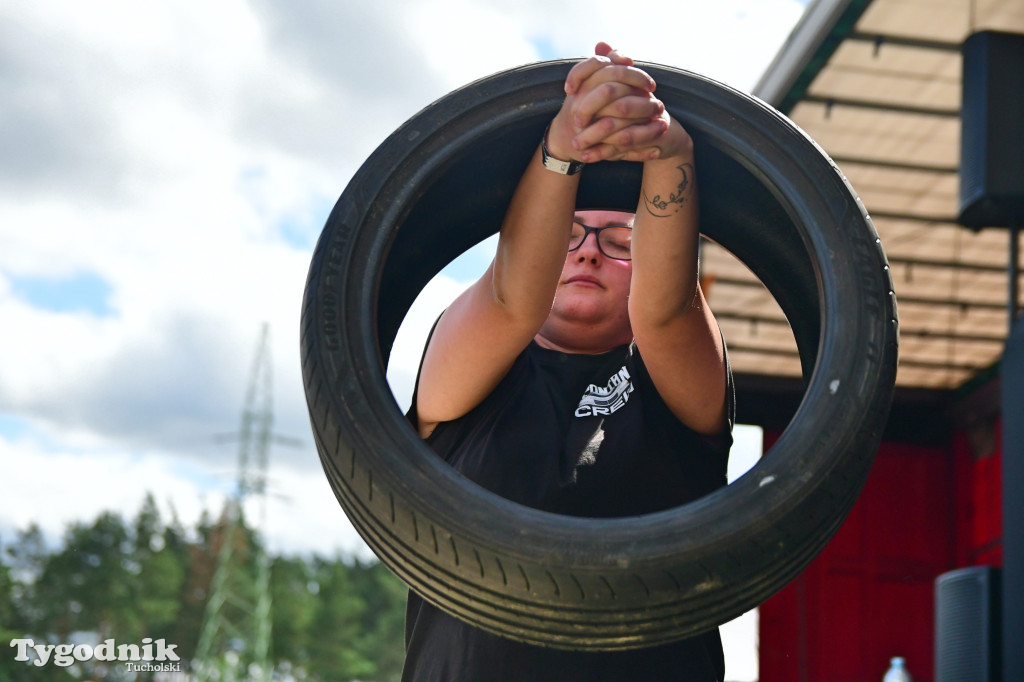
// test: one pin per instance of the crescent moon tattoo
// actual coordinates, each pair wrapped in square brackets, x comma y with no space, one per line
[665,207]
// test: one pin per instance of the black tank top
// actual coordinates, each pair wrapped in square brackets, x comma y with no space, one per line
[581,435]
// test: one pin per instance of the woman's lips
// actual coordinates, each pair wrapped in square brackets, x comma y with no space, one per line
[584,280]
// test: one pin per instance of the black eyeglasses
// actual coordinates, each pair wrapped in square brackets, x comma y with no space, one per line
[612,240]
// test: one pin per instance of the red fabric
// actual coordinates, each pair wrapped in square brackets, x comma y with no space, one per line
[869,595]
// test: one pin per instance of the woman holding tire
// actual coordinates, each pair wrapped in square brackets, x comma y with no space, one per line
[583,374]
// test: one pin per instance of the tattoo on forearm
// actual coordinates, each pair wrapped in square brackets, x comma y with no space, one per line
[663,208]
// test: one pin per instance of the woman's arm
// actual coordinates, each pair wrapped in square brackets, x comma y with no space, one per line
[482,332]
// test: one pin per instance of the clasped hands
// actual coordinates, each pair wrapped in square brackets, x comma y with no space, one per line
[610,113]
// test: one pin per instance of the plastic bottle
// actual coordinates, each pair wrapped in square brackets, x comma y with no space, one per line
[897,671]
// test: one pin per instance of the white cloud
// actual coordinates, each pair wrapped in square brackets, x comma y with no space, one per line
[302,515]
[428,306]
[96,481]
[481,40]
[730,40]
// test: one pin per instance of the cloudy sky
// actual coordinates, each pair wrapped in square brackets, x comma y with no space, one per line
[165,170]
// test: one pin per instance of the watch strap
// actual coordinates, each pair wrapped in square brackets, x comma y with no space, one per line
[557,165]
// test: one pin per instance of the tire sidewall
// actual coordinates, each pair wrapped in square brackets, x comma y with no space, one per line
[828,446]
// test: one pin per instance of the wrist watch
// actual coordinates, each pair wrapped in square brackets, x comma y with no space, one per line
[557,165]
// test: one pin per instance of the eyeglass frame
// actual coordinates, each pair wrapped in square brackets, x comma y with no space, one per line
[587,229]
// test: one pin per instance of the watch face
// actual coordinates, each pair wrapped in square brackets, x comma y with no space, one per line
[554,164]
[557,165]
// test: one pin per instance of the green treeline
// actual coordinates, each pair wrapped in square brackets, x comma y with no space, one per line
[332,619]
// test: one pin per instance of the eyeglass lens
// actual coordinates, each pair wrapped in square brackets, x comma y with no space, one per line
[612,240]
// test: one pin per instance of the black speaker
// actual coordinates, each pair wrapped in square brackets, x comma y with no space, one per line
[967,625]
[992,135]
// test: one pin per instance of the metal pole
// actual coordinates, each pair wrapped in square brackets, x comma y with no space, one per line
[1011,372]
[1012,396]
[1013,271]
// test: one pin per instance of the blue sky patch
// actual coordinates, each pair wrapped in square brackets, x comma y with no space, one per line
[207,480]
[13,427]
[301,230]
[470,265]
[545,48]
[83,292]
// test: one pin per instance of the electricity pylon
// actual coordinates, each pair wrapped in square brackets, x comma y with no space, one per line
[234,641]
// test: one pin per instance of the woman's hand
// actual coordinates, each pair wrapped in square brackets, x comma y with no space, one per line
[610,114]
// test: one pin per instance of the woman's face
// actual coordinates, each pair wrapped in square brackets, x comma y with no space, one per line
[593,290]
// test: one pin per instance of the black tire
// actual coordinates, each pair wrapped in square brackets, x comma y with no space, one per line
[440,184]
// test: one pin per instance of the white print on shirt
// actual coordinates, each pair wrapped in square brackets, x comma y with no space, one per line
[589,455]
[599,400]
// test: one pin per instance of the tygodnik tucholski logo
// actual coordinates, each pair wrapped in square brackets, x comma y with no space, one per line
[150,656]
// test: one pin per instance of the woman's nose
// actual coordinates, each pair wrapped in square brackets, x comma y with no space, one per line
[589,249]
